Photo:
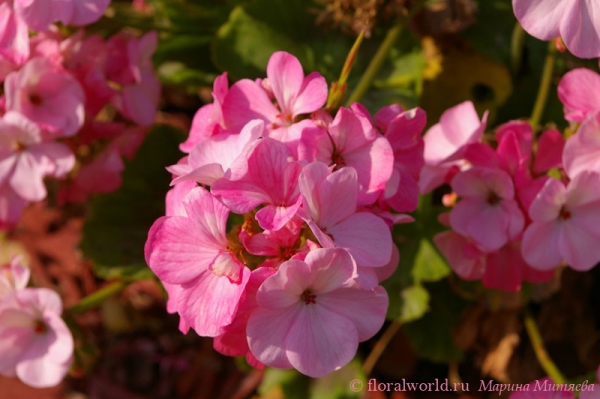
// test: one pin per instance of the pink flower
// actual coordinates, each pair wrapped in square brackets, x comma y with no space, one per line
[311,314]
[193,251]
[576,22]
[579,92]
[208,120]
[566,224]
[40,13]
[330,210]
[445,143]
[48,95]
[403,131]
[35,343]
[487,195]
[25,160]
[14,39]
[294,94]
[582,151]
[351,140]
[271,179]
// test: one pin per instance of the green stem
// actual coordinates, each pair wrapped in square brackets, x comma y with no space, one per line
[540,350]
[380,346]
[540,102]
[382,52]
[95,299]
[516,48]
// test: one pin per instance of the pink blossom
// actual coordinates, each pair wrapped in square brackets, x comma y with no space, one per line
[14,40]
[11,206]
[582,151]
[351,140]
[48,95]
[578,90]
[294,93]
[35,343]
[403,131]
[575,21]
[330,210]
[487,195]
[25,160]
[311,314]
[215,156]
[208,120]
[271,179]
[39,14]
[193,251]
[566,224]
[446,141]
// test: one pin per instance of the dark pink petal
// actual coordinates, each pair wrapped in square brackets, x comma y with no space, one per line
[462,256]
[86,12]
[272,217]
[244,102]
[285,76]
[549,153]
[504,269]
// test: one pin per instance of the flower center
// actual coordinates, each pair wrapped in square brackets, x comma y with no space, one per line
[308,297]
[493,198]
[565,214]
[40,327]
[338,160]
[35,99]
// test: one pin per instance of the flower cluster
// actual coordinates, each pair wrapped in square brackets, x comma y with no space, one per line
[60,93]
[279,253]
[35,343]
[522,213]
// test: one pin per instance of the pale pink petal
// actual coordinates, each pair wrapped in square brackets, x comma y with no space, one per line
[541,18]
[284,288]
[320,341]
[540,247]
[86,12]
[330,269]
[578,90]
[177,251]
[272,217]
[42,372]
[244,102]
[312,95]
[385,272]
[580,29]
[285,76]
[209,302]
[582,151]
[464,258]
[267,330]
[579,246]
[366,309]
[208,213]
[366,236]
[337,195]
[547,204]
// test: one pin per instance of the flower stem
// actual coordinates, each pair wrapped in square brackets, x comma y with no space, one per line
[95,299]
[542,97]
[382,52]
[540,350]
[516,48]
[380,346]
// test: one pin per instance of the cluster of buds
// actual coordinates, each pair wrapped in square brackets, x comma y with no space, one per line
[278,228]
[72,106]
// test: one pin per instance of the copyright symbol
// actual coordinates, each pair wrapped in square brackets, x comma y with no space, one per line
[356,385]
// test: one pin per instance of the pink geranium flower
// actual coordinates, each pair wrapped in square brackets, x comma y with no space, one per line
[294,95]
[445,144]
[39,14]
[271,179]
[566,224]
[25,160]
[330,210]
[487,195]
[577,22]
[582,151]
[14,276]
[193,251]
[48,95]
[312,314]
[35,343]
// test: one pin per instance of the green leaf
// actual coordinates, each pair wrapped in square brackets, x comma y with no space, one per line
[429,264]
[244,44]
[284,384]
[336,385]
[415,303]
[117,227]
[431,334]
